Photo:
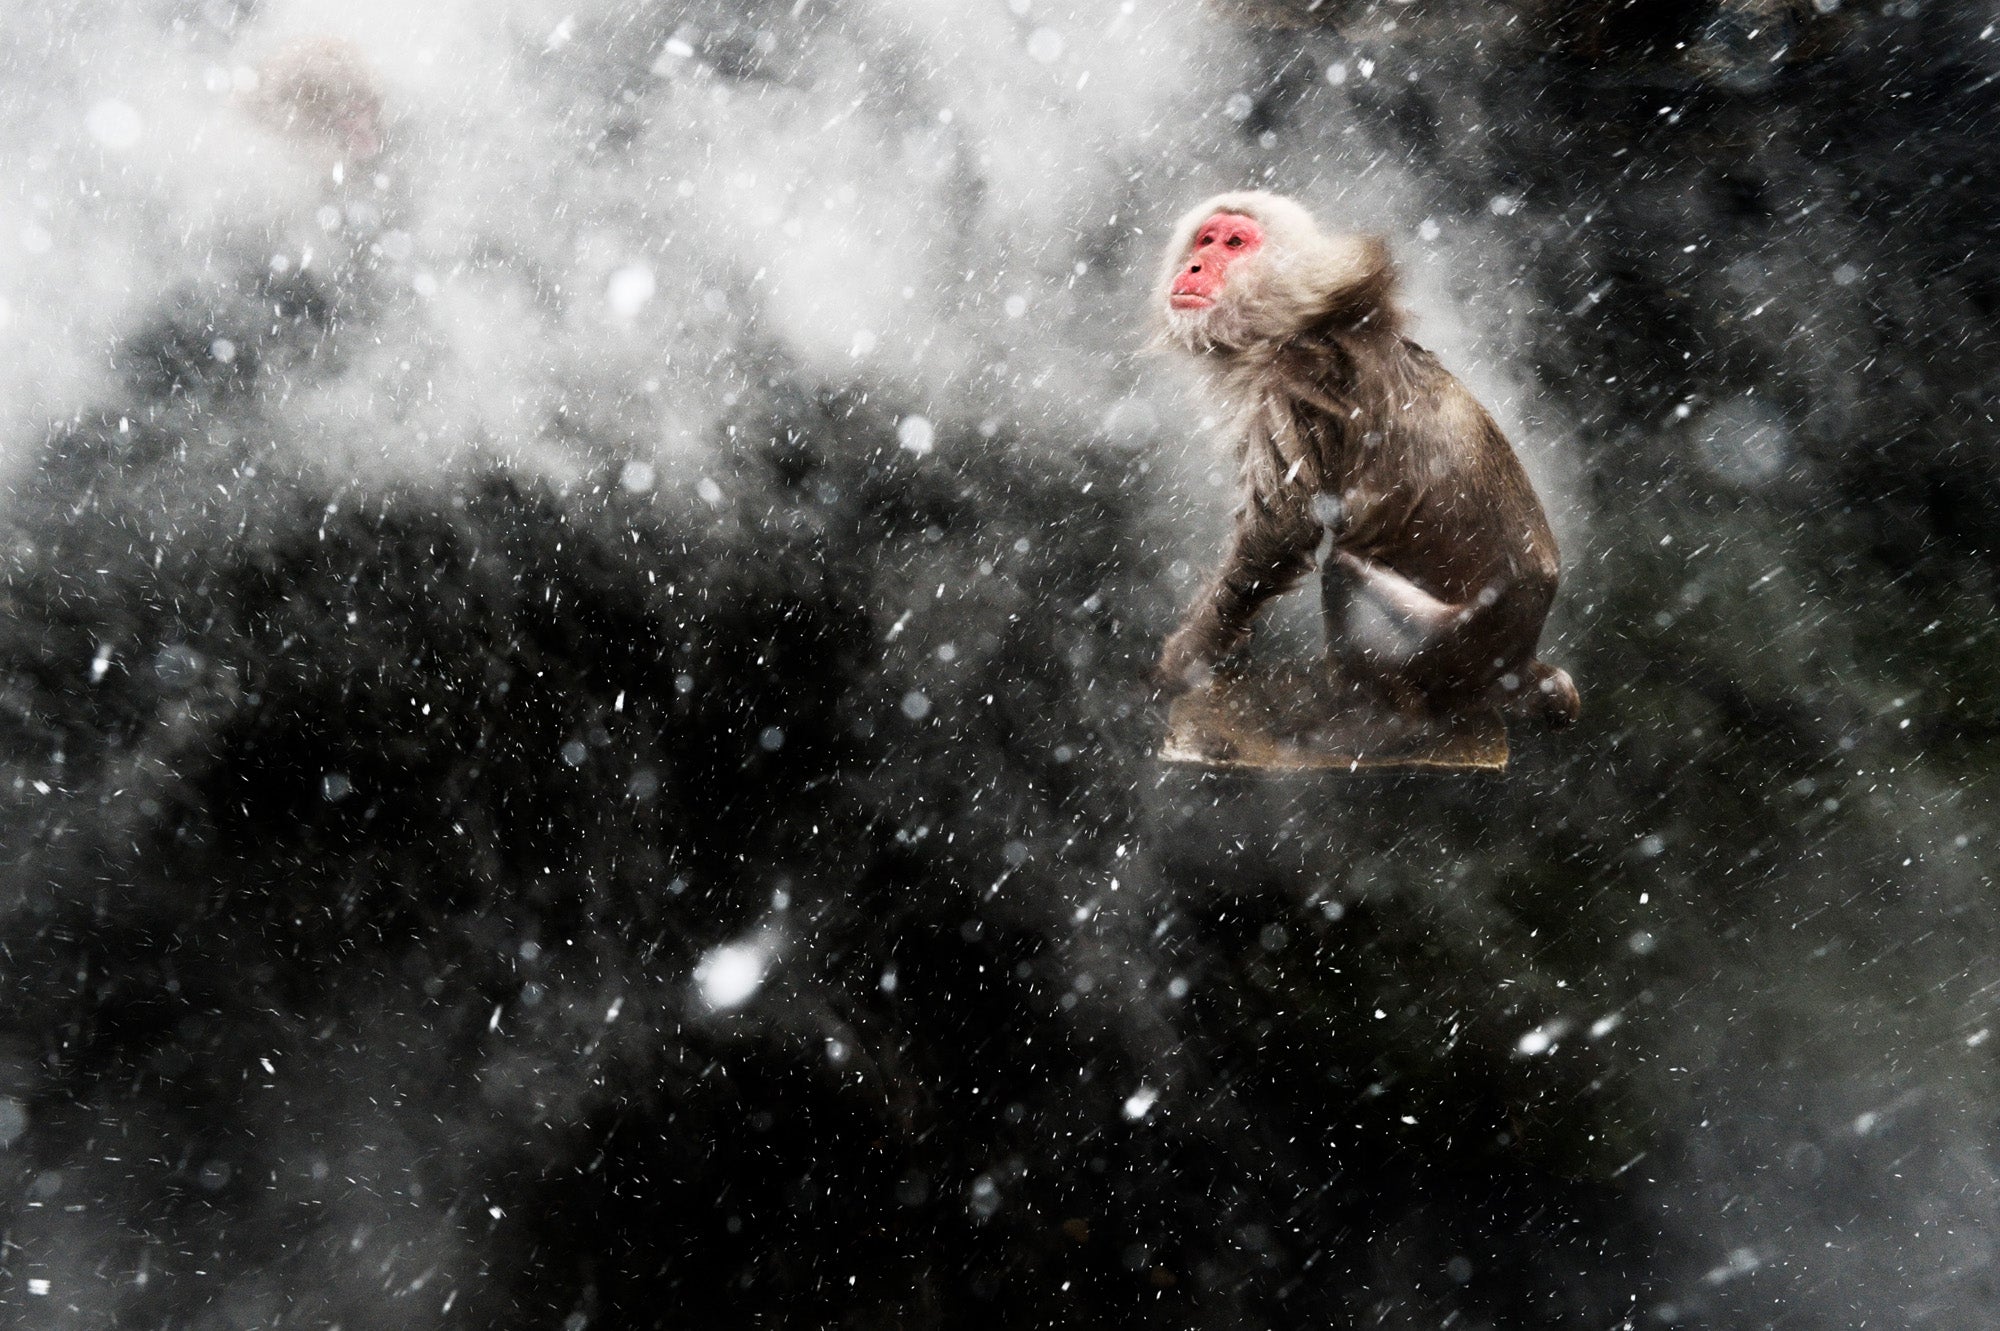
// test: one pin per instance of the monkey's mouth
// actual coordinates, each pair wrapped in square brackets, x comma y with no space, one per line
[1188,300]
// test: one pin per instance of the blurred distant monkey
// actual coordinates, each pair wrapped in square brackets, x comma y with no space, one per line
[1439,564]
[320,90]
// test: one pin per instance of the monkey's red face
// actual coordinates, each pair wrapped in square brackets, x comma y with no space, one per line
[1223,240]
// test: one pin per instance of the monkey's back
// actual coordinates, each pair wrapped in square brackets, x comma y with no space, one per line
[1429,483]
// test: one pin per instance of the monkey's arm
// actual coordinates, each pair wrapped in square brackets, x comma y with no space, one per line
[1270,550]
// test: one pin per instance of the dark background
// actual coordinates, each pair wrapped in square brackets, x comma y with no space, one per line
[399,775]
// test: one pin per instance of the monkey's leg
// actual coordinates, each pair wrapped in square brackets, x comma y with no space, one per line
[1417,652]
[1269,552]
[1412,650]
[1378,614]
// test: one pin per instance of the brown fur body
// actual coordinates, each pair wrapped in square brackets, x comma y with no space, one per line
[1442,565]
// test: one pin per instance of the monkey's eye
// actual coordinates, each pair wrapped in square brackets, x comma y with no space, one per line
[1206,240]
[1236,242]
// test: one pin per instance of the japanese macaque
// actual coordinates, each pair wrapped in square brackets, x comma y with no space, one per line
[1359,453]
[321,91]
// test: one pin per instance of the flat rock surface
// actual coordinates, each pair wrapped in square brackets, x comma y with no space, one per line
[1295,720]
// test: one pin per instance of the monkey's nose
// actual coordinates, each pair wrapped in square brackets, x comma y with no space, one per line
[1194,268]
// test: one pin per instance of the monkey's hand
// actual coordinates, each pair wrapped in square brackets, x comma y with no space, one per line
[1186,662]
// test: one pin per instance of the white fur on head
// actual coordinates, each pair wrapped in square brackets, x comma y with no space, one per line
[1299,276]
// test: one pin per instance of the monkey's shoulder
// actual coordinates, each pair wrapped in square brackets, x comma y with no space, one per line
[1351,382]
[1327,371]
[1418,366]
[1351,357]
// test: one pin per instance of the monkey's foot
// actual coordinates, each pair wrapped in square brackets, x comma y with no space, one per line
[1546,695]
[1293,720]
